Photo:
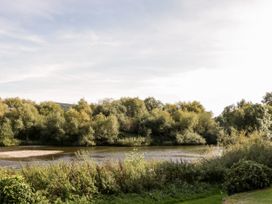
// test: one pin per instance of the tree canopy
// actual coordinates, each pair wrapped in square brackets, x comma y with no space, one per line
[126,120]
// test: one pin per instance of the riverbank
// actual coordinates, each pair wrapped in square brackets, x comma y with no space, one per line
[139,180]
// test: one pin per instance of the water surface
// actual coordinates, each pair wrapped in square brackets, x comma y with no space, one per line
[104,153]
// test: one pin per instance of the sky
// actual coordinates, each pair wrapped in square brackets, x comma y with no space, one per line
[215,52]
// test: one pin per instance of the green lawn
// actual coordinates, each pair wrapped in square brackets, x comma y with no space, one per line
[161,197]
[215,199]
[253,197]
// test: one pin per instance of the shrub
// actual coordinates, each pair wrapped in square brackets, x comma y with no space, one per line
[257,150]
[134,175]
[212,171]
[7,134]
[189,138]
[105,180]
[63,180]
[178,172]
[247,175]
[14,189]
[132,141]
[82,178]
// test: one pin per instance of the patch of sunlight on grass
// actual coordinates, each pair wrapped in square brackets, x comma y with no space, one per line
[253,197]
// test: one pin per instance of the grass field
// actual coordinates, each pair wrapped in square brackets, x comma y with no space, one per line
[253,197]
[215,199]
[163,199]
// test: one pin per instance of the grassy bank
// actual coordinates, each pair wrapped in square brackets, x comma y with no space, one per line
[138,181]
[253,197]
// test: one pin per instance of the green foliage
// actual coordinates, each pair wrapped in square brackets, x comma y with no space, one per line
[106,180]
[63,180]
[247,175]
[78,126]
[194,106]
[106,129]
[3,108]
[267,99]
[6,134]
[247,117]
[185,120]
[178,172]
[24,118]
[190,138]
[256,150]
[135,164]
[160,123]
[52,129]
[135,107]
[45,108]
[14,189]
[87,181]
[207,127]
[132,141]
[112,122]
[151,104]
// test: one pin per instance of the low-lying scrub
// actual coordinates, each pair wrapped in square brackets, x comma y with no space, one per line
[13,189]
[247,175]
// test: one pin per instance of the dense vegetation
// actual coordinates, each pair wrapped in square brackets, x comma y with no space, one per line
[129,121]
[241,168]
[244,130]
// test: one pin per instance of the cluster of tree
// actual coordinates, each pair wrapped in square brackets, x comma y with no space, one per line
[111,122]
[128,121]
[246,118]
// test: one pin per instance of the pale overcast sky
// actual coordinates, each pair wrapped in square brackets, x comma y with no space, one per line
[216,52]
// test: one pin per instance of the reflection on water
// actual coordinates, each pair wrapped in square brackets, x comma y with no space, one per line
[100,154]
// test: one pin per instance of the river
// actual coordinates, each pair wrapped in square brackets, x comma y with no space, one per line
[100,153]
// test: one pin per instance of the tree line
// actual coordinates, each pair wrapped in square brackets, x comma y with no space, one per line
[129,121]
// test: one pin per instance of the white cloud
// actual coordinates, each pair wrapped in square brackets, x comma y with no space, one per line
[215,88]
[174,50]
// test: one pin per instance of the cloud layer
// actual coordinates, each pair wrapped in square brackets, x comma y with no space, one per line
[215,52]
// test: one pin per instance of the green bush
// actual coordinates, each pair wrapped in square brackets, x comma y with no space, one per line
[189,138]
[212,171]
[247,175]
[178,172]
[82,178]
[132,141]
[257,150]
[14,189]
[105,180]
[63,180]
[136,172]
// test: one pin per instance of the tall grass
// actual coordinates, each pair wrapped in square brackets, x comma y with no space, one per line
[86,181]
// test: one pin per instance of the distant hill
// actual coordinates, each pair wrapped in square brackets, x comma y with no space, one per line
[65,105]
